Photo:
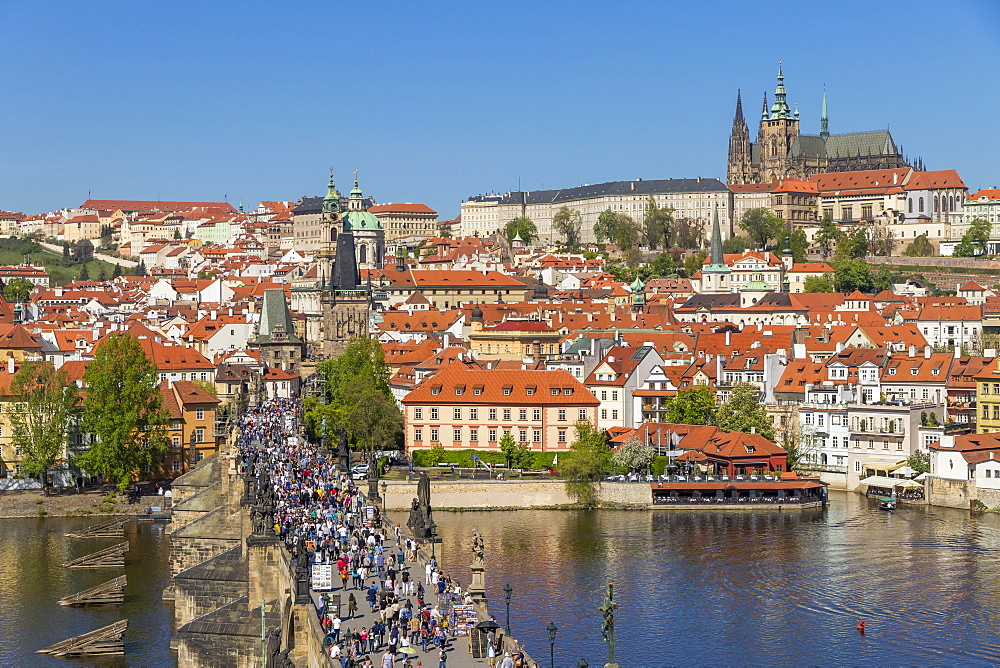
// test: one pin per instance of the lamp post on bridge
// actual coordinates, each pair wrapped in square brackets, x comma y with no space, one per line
[552,644]
[507,591]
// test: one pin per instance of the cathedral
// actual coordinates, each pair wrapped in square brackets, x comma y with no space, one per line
[781,151]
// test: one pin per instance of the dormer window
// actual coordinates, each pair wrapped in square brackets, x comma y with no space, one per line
[554,391]
[436,389]
[914,370]
[530,391]
[935,372]
[507,390]
[568,391]
[892,371]
[460,390]
[477,390]
[750,449]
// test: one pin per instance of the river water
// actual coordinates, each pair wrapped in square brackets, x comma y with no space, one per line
[32,580]
[705,588]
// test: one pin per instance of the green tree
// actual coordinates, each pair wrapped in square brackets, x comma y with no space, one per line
[633,455]
[358,398]
[508,447]
[117,271]
[18,290]
[103,276]
[919,247]
[761,226]
[582,467]
[974,240]
[695,405]
[851,275]
[656,222]
[122,408]
[66,252]
[627,232]
[799,245]
[822,283]
[693,263]
[140,269]
[687,233]
[743,411]
[735,245]
[919,461]
[521,225]
[883,279]
[47,400]
[567,223]
[177,234]
[606,227]
[84,273]
[827,236]
[664,264]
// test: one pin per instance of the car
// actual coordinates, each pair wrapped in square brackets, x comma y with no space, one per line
[359,472]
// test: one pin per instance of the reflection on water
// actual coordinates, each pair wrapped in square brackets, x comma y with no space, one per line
[32,580]
[709,587]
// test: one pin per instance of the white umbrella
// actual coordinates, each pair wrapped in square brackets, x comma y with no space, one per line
[905,470]
[921,476]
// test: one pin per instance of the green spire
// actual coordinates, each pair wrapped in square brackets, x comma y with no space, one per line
[780,109]
[716,260]
[332,200]
[788,246]
[638,289]
[824,119]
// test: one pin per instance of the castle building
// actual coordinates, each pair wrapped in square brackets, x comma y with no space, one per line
[781,151]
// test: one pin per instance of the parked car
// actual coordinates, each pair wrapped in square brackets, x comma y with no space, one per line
[359,472]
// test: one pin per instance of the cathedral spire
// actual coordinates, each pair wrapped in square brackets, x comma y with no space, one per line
[780,108]
[332,200]
[716,258]
[824,119]
[738,120]
[763,112]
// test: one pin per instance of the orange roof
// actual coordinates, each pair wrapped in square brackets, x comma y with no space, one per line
[463,384]
[401,208]
[867,179]
[985,194]
[941,178]
[792,185]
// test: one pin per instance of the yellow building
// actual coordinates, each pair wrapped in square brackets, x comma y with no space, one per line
[512,339]
[192,414]
[988,399]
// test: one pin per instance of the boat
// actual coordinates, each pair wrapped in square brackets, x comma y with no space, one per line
[886,503]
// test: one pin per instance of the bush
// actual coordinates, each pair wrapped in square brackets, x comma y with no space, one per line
[463,458]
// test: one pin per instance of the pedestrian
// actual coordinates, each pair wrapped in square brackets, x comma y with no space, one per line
[388,661]
[352,606]
[507,661]
[442,659]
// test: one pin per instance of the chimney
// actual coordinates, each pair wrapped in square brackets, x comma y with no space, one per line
[913,351]
[799,351]
[895,178]
[958,352]
[10,365]
[840,346]
[927,352]
[728,338]
[947,441]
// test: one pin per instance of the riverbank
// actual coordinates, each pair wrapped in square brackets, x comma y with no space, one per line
[34,503]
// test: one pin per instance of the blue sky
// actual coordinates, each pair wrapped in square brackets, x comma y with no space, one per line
[434,102]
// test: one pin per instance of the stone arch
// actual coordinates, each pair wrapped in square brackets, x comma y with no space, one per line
[288,624]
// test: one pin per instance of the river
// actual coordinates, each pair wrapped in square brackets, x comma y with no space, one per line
[705,587]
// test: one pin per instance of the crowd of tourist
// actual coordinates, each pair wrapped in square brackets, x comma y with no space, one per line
[323,519]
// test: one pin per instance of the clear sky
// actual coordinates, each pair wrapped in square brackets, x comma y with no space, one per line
[436,101]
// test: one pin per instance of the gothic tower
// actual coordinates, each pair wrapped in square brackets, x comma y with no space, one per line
[778,129]
[740,166]
[346,303]
[332,222]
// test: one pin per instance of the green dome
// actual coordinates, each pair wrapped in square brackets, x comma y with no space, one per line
[360,221]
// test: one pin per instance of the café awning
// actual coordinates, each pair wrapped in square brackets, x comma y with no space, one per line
[888,483]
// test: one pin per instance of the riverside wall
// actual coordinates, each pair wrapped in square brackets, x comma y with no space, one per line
[488,494]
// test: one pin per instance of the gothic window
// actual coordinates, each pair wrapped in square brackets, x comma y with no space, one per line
[935,204]
[951,203]
[920,204]
[362,254]
[909,206]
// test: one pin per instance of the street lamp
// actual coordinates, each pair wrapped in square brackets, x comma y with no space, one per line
[432,529]
[507,590]
[552,644]
[384,486]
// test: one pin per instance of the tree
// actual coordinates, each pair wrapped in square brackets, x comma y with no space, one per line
[522,225]
[852,275]
[822,283]
[66,251]
[567,223]
[799,244]
[735,245]
[103,276]
[656,223]
[919,461]
[508,447]
[358,398]
[919,247]
[687,233]
[761,226]
[799,446]
[606,227]
[47,400]
[974,240]
[587,458]
[693,263]
[664,264]
[84,273]
[117,271]
[883,279]
[634,455]
[743,411]
[627,232]
[827,236]
[695,405]
[122,408]
[18,290]
[140,269]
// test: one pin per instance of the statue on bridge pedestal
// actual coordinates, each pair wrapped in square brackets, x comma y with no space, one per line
[420,509]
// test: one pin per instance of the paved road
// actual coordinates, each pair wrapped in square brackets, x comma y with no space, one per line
[100,256]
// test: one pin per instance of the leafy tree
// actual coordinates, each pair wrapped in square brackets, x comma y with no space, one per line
[521,225]
[852,275]
[742,411]
[883,279]
[919,461]
[799,446]
[799,245]
[47,400]
[634,455]
[606,227]
[695,405]
[587,458]
[117,271]
[735,245]
[627,232]
[822,283]
[140,269]
[974,240]
[687,233]
[122,408]
[693,263]
[827,236]
[18,290]
[177,234]
[358,398]
[919,247]
[567,223]
[84,273]
[66,251]
[656,223]
[508,446]
[664,264]
[761,226]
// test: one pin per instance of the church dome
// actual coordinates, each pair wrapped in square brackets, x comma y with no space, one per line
[477,314]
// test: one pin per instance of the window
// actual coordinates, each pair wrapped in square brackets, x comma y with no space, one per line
[473,413]
[562,414]
[614,395]
[604,413]
[536,436]
[522,414]
[920,205]
[809,418]
[857,467]
[530,391]
[436,389]
[477,391]
[493,414]
[434,414]
[457,414]
[493,435]
[522,436]
[199,435]
[434,435]
[176,442]
[457,436]
[507,391]
[604,395]
[459,391]
[199,414]
[506,414]
[418,434]
[473,434]
[562,435]
[866,211]
[614,415]
[176,465]
[554,391]
[583,414]
[536,414]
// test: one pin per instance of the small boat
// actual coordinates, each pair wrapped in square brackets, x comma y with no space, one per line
[886,503]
